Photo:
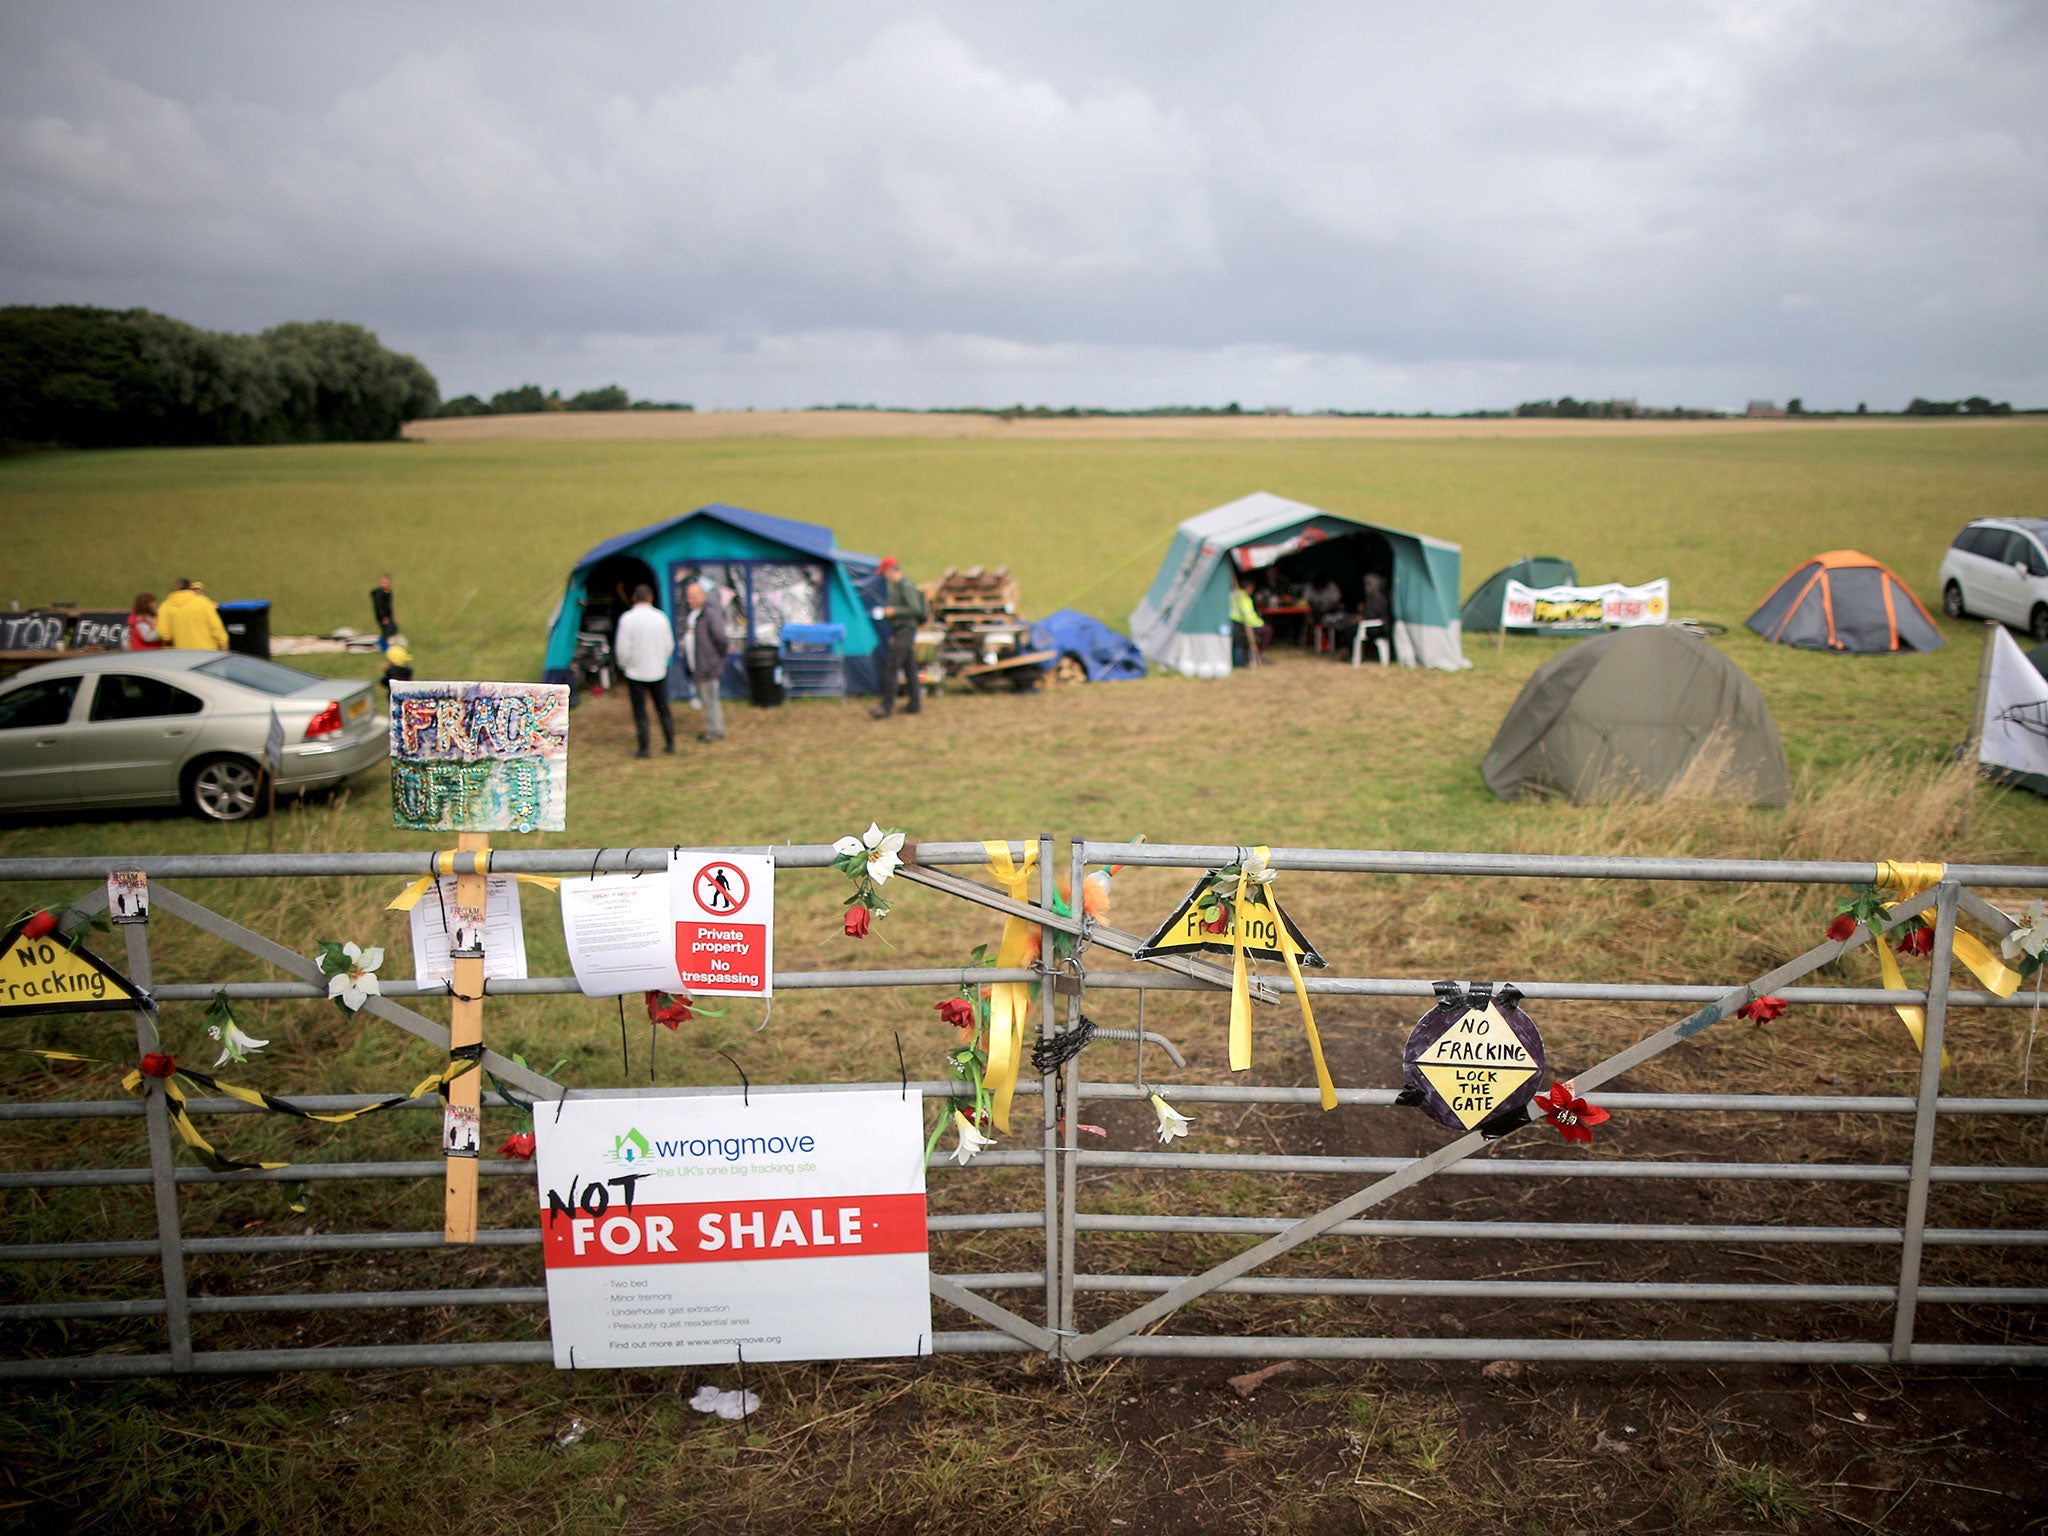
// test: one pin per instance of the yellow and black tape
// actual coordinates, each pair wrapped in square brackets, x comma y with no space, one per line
[460,1060]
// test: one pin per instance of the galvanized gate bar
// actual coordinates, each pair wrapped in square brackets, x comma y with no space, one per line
[1198,973]
[1125,981]
[503,861]
[1551,866]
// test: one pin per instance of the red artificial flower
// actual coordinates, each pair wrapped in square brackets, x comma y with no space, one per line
[519,1145]
[1761,1010]
[38,924]
[960,1013]
[157,1064]
[1841,927]
[1572,1115]
[1220,923]
[857,921]
[667,1008]
[1919,941]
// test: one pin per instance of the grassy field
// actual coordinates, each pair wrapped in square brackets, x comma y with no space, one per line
[479,536]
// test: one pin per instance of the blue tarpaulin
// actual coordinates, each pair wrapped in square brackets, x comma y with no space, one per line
[1105,655]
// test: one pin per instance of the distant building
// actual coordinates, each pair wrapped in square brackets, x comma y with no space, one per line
[1276,410]
[1763,409]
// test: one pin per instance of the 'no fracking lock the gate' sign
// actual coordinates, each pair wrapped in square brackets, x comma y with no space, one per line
[690,1231]
[1473,1056]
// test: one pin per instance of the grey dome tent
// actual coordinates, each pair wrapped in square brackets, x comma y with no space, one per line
[1183,622]
[1846,601]
[1481,613]
[1623,716]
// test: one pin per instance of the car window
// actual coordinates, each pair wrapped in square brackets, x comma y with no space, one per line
[255,672]
[1991,543]
[40,704]
[121,696]
[1967,540]
[2029,551]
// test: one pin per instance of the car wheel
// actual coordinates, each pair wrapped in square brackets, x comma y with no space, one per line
[1952,601]
[2037,623]
[223,789]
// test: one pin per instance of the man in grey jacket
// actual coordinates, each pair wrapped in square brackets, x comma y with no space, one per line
[704,646]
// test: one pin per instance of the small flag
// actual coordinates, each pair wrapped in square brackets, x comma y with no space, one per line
[273,746]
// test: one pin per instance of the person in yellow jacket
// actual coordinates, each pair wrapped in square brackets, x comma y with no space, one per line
[188,621]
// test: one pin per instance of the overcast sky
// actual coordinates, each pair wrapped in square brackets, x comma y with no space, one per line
[1362,206]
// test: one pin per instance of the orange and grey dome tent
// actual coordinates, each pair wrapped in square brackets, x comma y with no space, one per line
[1846,601]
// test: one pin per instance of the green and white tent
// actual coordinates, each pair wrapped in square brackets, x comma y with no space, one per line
[1184,620]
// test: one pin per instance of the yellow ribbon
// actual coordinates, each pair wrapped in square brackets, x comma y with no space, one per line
[1327,1088]
[1009,1010]
[1910,880]
[444,864]
[1240,984]
[1240,988]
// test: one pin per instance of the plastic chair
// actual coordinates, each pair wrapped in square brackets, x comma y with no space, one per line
[1379,629]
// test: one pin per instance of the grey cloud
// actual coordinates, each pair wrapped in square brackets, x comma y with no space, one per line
[1427,207]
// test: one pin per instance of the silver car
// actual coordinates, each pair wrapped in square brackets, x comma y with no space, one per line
[149,728]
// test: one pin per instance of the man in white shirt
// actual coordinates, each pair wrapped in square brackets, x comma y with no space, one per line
[642,646]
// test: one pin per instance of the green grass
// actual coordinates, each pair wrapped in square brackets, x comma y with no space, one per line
[479,539]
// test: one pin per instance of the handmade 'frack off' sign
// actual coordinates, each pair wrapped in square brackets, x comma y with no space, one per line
[40,973]
[479,757]
[1474,1056]
[703,1231]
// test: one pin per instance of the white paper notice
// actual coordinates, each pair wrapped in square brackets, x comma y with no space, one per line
[684,1231]
[433,924]
[620,935]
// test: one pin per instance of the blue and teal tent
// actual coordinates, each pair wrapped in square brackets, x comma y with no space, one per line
[767,571]
[1184,620]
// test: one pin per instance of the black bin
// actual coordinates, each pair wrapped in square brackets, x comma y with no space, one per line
[764,674]
[248,627]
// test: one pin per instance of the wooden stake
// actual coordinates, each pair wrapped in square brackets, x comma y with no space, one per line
[466,1027]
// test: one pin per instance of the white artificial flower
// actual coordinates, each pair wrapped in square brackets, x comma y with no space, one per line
[847,845]
[1256,867]
[882,850]
[1172,1123]
[234,1043]
[971,1140]
[356,985]
[2031,937]
[727,1405]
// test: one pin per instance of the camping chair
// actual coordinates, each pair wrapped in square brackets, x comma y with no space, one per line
[1378,629]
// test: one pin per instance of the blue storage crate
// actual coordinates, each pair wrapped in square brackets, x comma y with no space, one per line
[813,663]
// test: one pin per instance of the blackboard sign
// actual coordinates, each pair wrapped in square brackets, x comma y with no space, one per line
[32,631]
[100,632]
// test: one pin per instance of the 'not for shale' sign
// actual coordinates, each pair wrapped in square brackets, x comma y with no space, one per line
[687,1231]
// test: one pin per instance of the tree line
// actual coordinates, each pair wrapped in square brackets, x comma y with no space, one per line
[529,400]
[104,378]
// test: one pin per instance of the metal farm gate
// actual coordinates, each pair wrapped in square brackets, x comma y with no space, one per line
[1042,1307]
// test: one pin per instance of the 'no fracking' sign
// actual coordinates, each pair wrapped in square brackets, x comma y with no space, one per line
[1472,1057]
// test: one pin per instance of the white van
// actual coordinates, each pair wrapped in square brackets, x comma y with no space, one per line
[1998,569]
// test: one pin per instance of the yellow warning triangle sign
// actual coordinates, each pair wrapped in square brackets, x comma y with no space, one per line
[1259,918]
[45,975]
